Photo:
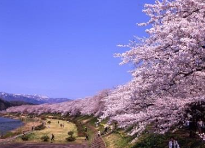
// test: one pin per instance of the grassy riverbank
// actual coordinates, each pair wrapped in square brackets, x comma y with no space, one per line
[28,123]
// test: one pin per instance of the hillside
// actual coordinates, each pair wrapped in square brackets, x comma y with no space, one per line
[6,104]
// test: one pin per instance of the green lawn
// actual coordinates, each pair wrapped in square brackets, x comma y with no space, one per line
[117,139]
[60,133]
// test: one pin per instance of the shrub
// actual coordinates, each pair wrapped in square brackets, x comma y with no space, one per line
[49,122]
[26,137]
[40,127]
[70,133]
[70,139]
[45,138]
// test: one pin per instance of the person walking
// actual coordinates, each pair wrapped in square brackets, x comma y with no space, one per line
[52,138]
[99,134]
[86,137]
[111,128]
[96,124]
[106,129]
[86,129]
[200,126]
[173,143]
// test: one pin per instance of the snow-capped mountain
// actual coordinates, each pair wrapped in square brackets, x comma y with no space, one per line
[34,99]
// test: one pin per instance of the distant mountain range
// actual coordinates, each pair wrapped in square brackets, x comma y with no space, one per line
[33,99]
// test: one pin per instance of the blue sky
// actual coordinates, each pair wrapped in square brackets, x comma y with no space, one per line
[65,48]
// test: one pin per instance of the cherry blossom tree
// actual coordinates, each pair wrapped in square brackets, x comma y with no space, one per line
[87,106]
[169,67]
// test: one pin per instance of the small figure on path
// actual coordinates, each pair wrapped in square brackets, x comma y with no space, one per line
[200,126]
[203,137]
[99,134]
[115,125]
[86,137]
[52,138]
[106,129]
[96,124]
[58,122]
[187,124]
[111,128]
[86,129]
[173,143]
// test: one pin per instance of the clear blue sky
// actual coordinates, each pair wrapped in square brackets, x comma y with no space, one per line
[64,48]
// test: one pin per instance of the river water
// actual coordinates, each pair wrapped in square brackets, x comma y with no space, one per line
[8,124]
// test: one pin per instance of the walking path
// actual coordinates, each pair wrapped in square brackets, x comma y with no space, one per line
[31,145]
[98,142]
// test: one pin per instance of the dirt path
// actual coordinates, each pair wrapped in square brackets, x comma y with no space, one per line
[97,142]
[31,145]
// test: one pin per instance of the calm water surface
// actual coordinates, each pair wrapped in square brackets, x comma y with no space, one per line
[8,124]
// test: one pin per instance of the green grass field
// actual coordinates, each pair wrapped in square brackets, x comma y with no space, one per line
[115,140]
[59,132]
